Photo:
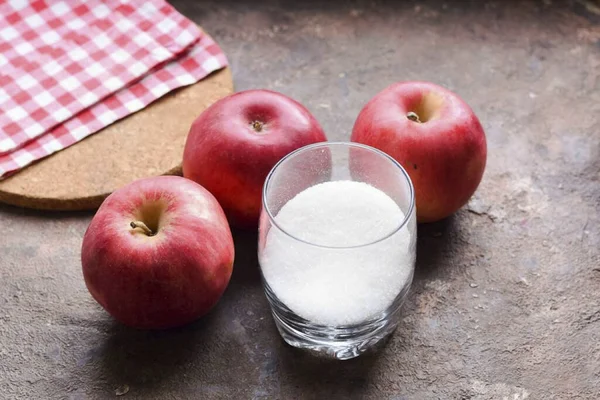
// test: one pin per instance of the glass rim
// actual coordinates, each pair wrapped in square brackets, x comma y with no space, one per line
[371,149]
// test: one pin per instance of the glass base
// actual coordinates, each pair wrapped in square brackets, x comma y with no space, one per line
[342,343]
[338,346]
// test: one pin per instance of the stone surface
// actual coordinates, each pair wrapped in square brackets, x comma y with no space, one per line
[505,301]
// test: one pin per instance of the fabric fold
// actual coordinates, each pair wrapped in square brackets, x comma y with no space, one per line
[201,59]
[61,57]
[70,68]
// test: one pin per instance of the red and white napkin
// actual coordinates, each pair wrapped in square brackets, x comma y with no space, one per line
[70,68]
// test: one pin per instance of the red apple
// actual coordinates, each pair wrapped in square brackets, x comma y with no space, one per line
[434,135]
[158,253]
[232,146]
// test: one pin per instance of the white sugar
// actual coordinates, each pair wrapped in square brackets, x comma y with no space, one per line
[338,286]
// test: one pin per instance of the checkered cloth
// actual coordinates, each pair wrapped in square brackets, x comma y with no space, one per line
[70,68]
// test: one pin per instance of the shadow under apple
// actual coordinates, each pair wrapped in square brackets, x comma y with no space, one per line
[246,270]
[436,243]
[146,359]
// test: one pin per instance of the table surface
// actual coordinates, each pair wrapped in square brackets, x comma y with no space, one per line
[506,298]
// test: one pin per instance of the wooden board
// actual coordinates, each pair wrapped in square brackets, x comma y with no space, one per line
[147,143]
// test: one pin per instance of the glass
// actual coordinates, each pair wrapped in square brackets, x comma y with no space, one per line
[337,265]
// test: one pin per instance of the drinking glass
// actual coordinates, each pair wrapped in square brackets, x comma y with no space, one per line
[285,254]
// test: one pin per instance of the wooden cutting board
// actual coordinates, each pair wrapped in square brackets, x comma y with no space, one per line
[147,143]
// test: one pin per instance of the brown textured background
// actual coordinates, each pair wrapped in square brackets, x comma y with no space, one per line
[506,299]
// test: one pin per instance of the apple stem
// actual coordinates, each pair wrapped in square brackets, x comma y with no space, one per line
[257,126]
[142,226]
[413,116]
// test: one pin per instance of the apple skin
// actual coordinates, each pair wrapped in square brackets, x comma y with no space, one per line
[231,157]
[168,279]
[444,154]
